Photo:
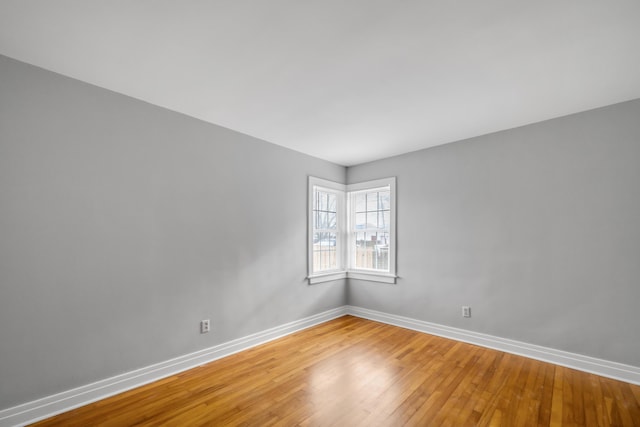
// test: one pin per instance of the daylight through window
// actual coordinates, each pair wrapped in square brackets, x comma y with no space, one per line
[325,231]
[371,225]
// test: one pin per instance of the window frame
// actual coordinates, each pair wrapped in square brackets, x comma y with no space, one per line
[339,190]
[345,233]
[353,272]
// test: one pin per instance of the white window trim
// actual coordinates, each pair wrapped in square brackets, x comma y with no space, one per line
[326,277]
[344,235]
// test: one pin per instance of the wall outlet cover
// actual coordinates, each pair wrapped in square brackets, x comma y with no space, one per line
[205,326]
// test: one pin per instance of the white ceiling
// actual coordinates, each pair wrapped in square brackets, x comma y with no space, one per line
[345,80]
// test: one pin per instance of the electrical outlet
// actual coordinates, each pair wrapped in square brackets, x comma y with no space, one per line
[466,311]
[205,326]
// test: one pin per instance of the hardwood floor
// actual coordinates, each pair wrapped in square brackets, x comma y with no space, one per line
[355,372]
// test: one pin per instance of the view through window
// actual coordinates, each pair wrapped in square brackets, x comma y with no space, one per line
[325,230]
[372,219]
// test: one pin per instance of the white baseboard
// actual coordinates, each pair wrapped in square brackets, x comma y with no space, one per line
[61,402]
[605,368]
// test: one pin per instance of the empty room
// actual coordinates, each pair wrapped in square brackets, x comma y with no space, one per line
[319,213]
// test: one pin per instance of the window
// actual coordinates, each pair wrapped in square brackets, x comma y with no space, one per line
[327,222]
[352,230]
[325,230]
[371,218]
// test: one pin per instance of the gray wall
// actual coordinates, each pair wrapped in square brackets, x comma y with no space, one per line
[123,224]
[536,228]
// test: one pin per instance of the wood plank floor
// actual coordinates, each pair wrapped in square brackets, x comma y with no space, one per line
[355,372]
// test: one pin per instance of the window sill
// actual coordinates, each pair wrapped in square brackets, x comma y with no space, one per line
[372,277]
[327,277]
[358,275]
